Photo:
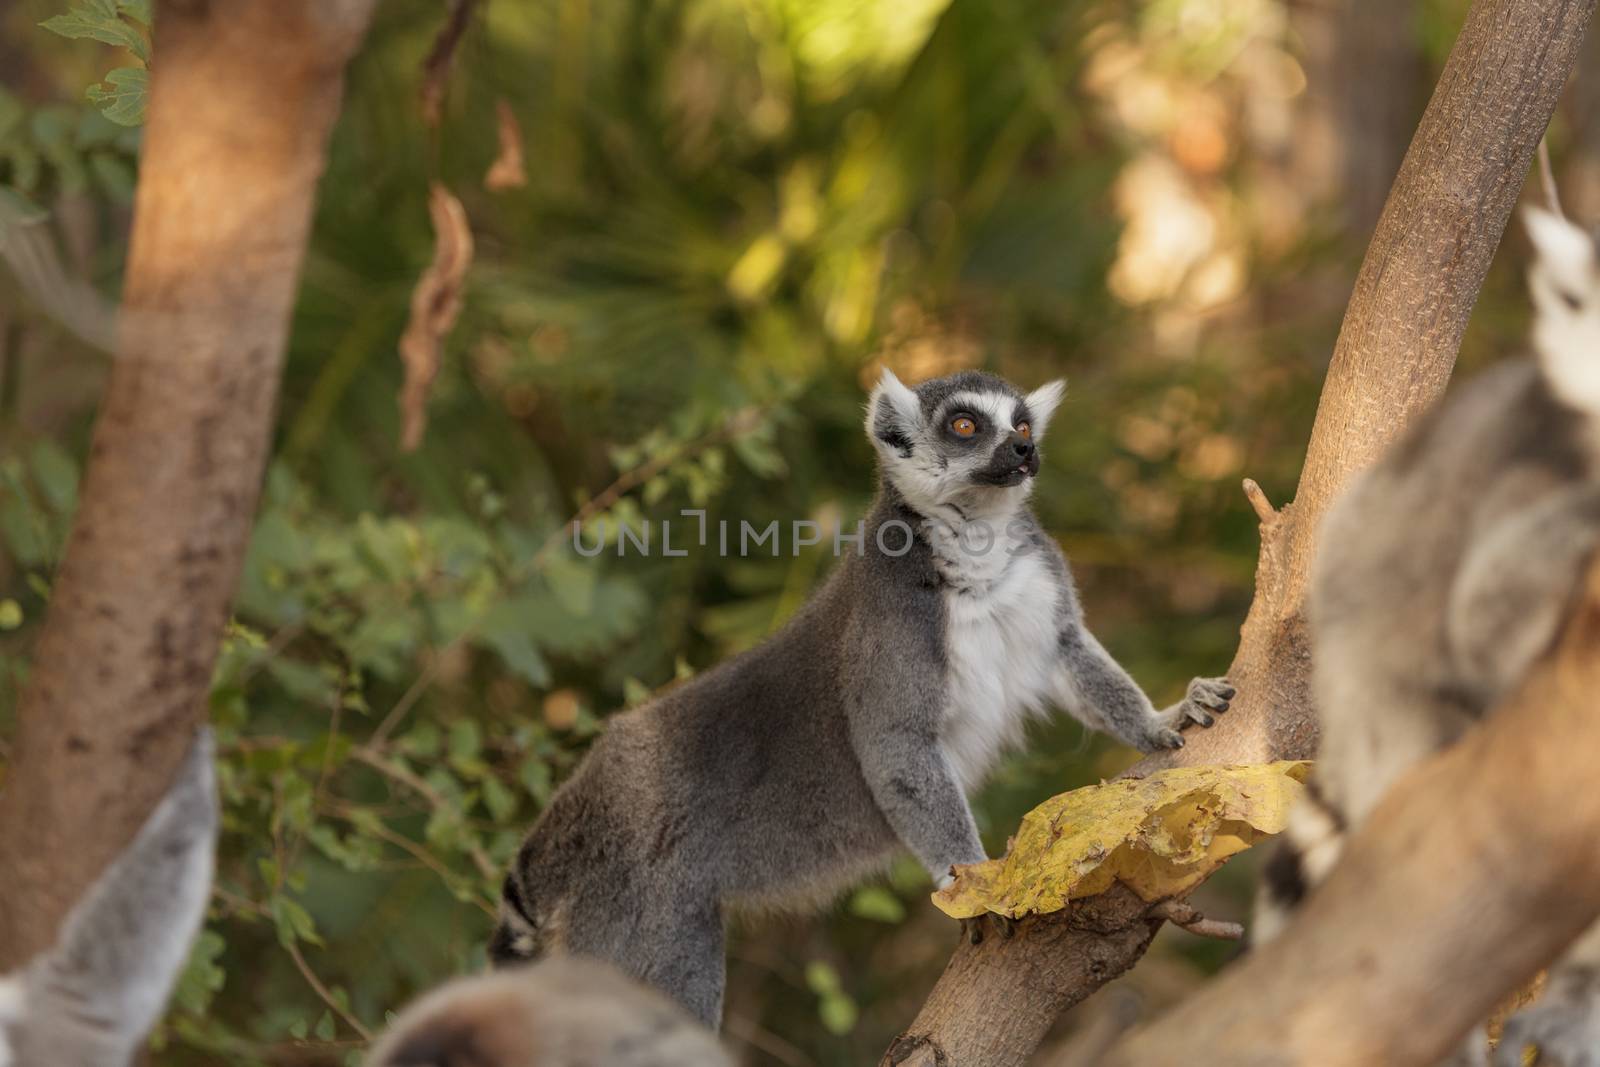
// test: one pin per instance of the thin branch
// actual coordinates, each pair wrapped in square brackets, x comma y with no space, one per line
[396,772]
[1183,914]
[739,423]
[411,848]
[1264,510]
[323,992]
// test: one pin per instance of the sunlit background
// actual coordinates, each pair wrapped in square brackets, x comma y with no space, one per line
[734,213]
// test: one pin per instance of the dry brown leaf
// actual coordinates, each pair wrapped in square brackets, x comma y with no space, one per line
[435,303]
[508,170]
[441,58]
[1160,836]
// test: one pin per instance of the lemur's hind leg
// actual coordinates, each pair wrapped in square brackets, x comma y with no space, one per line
[1565,1021]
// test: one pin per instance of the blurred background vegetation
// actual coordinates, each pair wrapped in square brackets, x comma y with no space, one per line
[734,213]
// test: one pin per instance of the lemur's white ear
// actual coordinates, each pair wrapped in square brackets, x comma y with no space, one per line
[893,413]
[1042,404]
[1563,249]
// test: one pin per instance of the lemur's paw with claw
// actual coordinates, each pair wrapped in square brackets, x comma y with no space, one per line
[1206,699]
[1564,1024]
[1161,737]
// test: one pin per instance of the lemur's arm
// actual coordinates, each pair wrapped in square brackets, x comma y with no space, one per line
[893,711]
[1098,692]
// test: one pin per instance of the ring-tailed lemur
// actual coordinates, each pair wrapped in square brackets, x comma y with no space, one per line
[559,1013]
[1441,575]
[781,776]
[90,1000]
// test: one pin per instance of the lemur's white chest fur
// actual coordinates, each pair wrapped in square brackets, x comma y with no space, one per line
[1001,630]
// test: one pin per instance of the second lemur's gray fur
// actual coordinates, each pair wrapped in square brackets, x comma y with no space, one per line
[90,1000]
[1441,575]
[558,1013]
[783,775]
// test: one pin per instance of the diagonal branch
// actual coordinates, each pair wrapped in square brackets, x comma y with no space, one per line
[242,100]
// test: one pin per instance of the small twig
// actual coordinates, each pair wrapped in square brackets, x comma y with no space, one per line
[740,422]
[412,849]
[442,57]
[322,991]
[395,772]
[413,693]
[1182,913]
[1258,500]
[1547,178]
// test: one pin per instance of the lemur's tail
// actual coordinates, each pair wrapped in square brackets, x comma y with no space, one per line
[1300,859]
[516,938]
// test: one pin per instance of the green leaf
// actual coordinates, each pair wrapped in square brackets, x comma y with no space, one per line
[114,175]
[502,633]
[878,904]
[56,475]
[838,1014]
[10,614]
[822,978]
[18,210]
[294,922]
[202,976]
[138,10]
[499,800]
[466,740]
[11,114]
[99,20]
[534,774]
[124,102]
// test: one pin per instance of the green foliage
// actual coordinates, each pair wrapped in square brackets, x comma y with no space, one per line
[122,24]
[124,101]
[57,150]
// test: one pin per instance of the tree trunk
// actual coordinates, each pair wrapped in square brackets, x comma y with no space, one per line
[997,999]
[1412,299]
[1477,869]
[243,95]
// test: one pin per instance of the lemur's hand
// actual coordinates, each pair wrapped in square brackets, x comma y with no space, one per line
[1206,699]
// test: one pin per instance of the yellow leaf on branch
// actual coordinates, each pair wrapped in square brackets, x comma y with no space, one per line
[1161,836]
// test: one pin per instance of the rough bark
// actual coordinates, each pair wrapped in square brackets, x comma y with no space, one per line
[243,96]
[1413,296]
[997,999]
[1409,900]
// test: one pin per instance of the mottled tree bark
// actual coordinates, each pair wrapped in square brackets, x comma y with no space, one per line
[1413,296]
[243,96]
[997,999]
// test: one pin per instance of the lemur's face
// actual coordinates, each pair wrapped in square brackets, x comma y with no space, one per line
[970,438]
[1565,282]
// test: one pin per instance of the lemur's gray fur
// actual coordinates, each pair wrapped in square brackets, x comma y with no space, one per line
[783,775]
[90,1000]
[558,1013]
[1442,574]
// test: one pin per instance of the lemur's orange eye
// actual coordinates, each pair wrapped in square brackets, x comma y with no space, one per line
[963,426]
[1025,430]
